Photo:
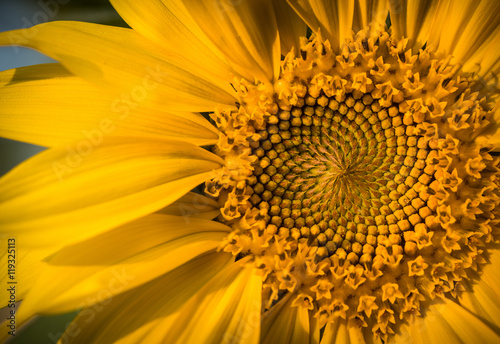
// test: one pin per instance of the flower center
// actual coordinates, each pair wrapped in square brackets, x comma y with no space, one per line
[335,171]
[355,182]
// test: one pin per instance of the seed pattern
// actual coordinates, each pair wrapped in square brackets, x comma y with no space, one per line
[339,173]
[357,183]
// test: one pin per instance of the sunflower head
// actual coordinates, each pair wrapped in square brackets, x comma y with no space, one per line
[348,152]
[356,184]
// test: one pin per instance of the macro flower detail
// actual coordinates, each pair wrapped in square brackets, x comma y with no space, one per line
[348,153]
[352,185]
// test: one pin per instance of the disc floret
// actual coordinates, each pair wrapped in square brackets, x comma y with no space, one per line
[356,184]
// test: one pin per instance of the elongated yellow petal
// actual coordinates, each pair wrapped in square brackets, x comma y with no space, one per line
[340,332]
[245,31]
[119,260]
[467,30]
[226,310]
[291,27]
[455,28]
[335,330]
[124,59]
[314,329]
[334,18]
[448,323]
[193,205]
[481,25]
[413,20]
[27,267]
[67,194]
[276,322]
[483,298]
[440,22]
[304,10]
[111,322]
[368,12]
[484,62]
[47,106]
[171,27]
[284,323]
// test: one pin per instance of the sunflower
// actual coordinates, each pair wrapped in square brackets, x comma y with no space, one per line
[347,152]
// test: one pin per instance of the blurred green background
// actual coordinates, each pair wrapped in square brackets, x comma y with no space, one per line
[16,14]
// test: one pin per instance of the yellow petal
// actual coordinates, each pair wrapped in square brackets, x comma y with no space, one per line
[116,261]
[47,106]
[301,328]
[167,24]
[370,11]
[67,194]
[334,18]
[455,28]
[335,332]
[226,310]
[491,135]
[458,28]
[448,323]
[279,315]
[483,298]
[483,23]
[27,267]
[291,27]
[116,320]
[246,32]
[484,63]
[340,333]
[193,205]
[286,324]
[413,20]
[314,329]
[124,59]
[442,21]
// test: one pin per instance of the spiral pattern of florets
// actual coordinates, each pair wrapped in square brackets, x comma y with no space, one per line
[340,173]
[357,184]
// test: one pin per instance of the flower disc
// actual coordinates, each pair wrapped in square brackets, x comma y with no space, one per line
[355,183]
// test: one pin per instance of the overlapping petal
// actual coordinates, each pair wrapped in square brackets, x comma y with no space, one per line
[478,23]
[71,193]
[47,106]
[340,332]
[226,310]
[484,63]
[413,20]
[333,18]
[155,301]
[370,12]
[97,269]
[245,31]
[448,322]
[483,298]
[455,28]
[124,59]
[284,323]
[27,267]
[291,26]
[169,25]
[193,205]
